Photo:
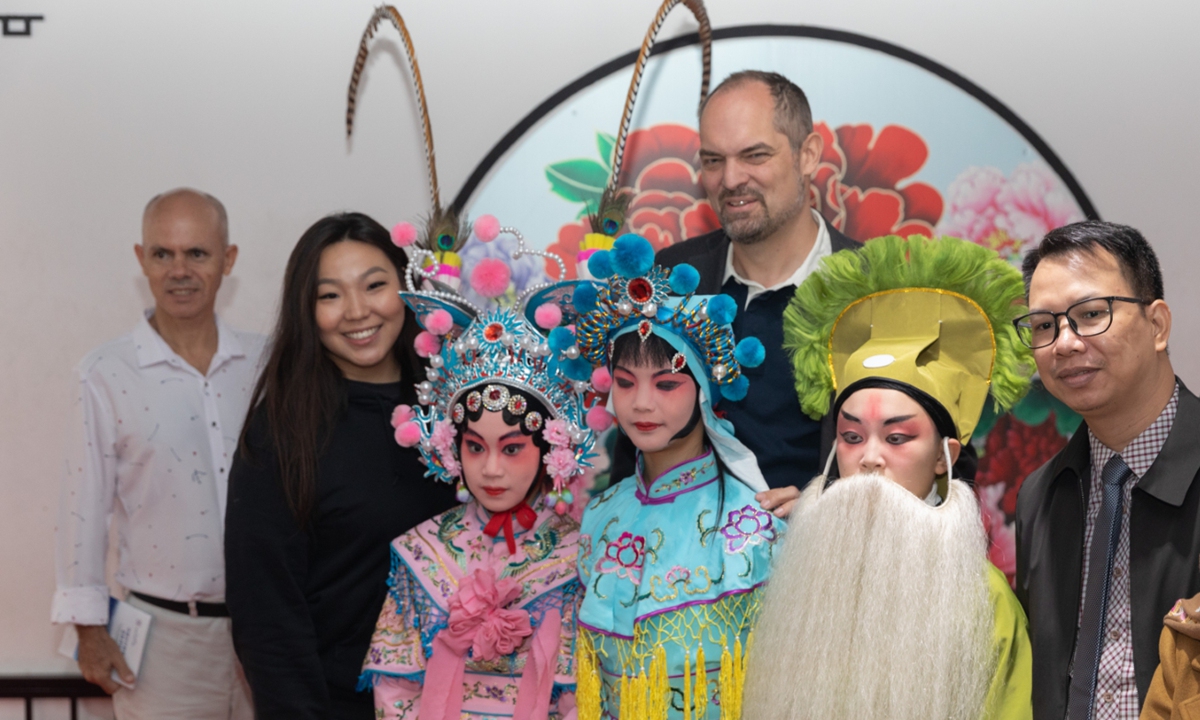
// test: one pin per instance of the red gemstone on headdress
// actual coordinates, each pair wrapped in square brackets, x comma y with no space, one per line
[640,290]
[644,330]
[493,331]
[494,394]
[678,362]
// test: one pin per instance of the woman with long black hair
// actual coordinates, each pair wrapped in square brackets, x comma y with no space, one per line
[320,487]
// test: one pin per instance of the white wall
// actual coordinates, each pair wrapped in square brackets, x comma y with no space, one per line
[109,103]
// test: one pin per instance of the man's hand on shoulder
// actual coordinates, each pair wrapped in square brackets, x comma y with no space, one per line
[779,501]
[98,655]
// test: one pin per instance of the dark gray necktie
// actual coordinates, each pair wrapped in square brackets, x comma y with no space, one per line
[1101,555]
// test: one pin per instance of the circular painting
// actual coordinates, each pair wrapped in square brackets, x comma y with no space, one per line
[910,148]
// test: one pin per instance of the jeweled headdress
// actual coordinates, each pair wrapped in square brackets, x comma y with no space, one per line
[635,295]
[445,231]
[475,356]
[609,216]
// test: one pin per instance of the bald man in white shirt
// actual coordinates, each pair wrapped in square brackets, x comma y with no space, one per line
[157,418]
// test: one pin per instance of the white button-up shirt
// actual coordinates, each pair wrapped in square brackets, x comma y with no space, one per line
[823,247]
[150,442]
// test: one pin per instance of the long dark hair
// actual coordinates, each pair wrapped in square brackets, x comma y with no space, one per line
[301,391]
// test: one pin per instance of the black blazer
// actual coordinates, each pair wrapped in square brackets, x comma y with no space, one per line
[1164,546]
[707,253]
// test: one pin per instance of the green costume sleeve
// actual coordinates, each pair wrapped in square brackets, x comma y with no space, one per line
[1009,696]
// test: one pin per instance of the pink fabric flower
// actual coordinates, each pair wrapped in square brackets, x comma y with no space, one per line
[560,463]
[478,613]
[556,433]
[442,441]
[443,434]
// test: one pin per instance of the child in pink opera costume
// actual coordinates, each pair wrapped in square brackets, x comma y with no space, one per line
[479,621]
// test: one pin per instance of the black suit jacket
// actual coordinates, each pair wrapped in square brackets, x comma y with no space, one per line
[1164,546]
[708,254]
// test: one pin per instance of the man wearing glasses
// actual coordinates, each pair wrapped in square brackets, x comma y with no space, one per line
[1108,531]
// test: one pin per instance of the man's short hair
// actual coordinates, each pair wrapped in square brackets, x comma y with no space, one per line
[793,116]
[217,205]
[1138,262]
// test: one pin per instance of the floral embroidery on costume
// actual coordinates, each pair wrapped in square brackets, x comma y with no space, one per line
[658,590]
[624,557]
[749,525]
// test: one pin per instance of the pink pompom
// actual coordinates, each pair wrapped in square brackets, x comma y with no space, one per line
[408,434]
[487,227]
[599,419]
[404,234]
[602,380]
[438,322]
[561,507]
[490,277]
[427,344]
[401,415]
[548,316]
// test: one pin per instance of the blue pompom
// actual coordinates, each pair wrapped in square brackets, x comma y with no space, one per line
[560,339]
[577,369]
[722,309]
[736,390]
[684,279]
[631,255]
[750,352]
[600,264]
[585,298]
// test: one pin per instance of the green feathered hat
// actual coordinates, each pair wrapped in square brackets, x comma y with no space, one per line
[934,314]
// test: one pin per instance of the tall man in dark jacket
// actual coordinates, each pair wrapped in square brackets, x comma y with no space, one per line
[1108,531]
[758,153]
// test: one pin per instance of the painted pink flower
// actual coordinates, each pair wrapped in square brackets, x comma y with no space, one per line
[1001,536]
[1007,214]
[556,433]
[561,464]
[625,557]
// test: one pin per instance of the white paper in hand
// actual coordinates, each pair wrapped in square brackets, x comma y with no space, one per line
[128,627]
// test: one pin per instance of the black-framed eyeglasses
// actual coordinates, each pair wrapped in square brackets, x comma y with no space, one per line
[1087,318]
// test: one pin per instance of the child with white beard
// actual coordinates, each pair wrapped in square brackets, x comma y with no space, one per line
[882,603]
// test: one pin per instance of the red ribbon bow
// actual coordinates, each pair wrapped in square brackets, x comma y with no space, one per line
[525,515]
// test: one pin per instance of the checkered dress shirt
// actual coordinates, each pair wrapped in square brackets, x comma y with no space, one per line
[1116,688]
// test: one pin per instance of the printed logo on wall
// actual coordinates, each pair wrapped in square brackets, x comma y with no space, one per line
[911,147]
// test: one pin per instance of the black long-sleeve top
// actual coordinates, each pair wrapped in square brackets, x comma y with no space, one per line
[304,602]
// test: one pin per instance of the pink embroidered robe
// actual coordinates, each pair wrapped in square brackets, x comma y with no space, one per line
[429,564]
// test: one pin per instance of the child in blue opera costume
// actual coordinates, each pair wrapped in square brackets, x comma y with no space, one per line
[674,559]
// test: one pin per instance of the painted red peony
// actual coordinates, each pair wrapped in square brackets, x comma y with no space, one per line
[856,187]
[1012,451]
[667,203]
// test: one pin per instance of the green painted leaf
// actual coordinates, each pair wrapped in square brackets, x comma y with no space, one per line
[578,180]
[604,142]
